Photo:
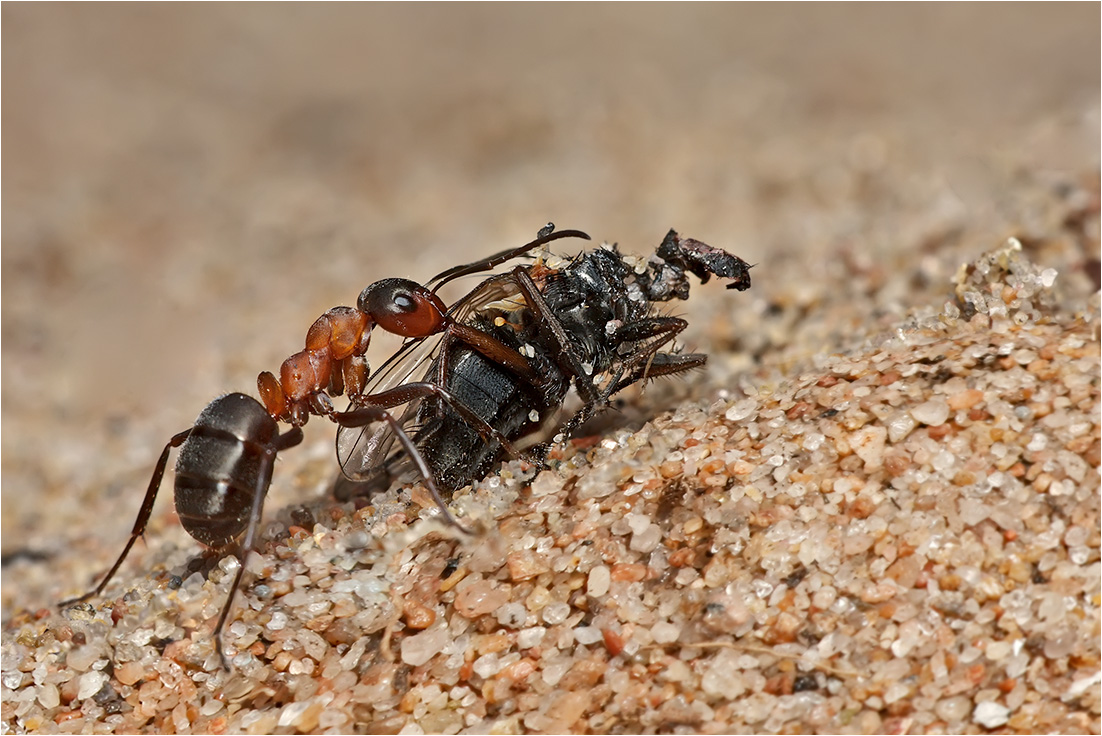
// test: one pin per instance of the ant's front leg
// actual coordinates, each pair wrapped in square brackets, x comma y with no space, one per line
[368,413]
[367,407]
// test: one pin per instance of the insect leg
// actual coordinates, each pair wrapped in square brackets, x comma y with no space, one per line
[289,438]
[645,361]
[375,413]
[652,333]
[489,347]
[506,255]
[566,356]
[495,350]
[661,364]
[650,328]
[366,411]
[143,516]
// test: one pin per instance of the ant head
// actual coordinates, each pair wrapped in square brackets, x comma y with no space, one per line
[403,307]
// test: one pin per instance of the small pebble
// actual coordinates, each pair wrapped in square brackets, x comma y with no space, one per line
[556,613]
[49,696]
[278,621]
[900,425]
[598,582]
[546,483]
[530,637]
[665,632]
[990,714]
[868,443]
[512,615]
[741,410]
[420,648]
[91,683]
[932,413]
[479,598]
[525,564]
[953,709]
[587,635]
[129,673]
[647,540]
[82,658]
[487,665]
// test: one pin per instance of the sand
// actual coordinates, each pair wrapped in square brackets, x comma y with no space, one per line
[875,509]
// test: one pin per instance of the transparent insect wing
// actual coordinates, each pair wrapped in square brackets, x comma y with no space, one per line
[498,292]
[363,450]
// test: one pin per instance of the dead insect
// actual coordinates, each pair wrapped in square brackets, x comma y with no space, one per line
[510,350]
[224,468]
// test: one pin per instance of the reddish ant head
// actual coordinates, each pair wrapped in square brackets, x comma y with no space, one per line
[403,307]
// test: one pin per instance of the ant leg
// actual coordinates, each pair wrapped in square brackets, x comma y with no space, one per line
[288,439]
[378,412]
[425,470]
[364,413]
[143,517]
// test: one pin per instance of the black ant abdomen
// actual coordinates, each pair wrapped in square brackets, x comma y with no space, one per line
[225,464]
[222,477]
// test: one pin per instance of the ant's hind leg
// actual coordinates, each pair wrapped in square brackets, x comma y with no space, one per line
[143,517]
[288,439]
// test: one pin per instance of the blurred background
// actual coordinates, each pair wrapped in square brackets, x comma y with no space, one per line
[187,187]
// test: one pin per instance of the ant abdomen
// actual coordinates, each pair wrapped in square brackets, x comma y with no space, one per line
[231,445]
[222,476]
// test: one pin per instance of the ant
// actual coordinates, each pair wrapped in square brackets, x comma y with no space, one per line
[224,468]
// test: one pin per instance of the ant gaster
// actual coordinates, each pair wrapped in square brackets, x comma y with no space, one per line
[222,476]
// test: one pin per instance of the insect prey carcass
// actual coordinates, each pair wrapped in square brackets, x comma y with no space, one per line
[507,353]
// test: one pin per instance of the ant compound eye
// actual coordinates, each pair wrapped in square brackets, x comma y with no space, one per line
[403,307]
[403,303]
